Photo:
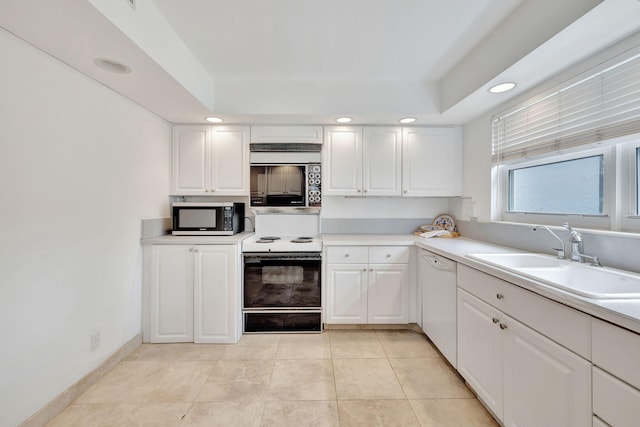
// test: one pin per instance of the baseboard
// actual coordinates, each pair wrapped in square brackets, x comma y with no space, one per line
[64,399]
[360,327]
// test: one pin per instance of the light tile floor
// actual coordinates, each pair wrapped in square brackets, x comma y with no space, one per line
[338,378]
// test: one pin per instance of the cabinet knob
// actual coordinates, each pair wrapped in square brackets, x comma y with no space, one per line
[359,190]
[364,269]
[388,255]
[365,191]
[405,191]
[503,326]
[499,296]
[346,255]
[495,320]
[371,269]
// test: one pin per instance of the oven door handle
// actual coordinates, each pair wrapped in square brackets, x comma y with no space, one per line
[257,258]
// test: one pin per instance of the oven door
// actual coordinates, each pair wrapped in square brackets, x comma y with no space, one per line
[282,292]
[282,280]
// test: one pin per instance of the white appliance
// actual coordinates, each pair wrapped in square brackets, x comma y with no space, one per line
[439,308]
[282,266]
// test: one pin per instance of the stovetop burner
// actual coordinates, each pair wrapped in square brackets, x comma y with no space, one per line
[267,239]
[302,240]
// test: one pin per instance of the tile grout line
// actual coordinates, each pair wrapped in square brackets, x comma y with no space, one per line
[273,369]
[335,381]
[395,374]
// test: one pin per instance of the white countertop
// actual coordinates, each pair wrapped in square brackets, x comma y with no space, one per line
[622,312]
[169,239]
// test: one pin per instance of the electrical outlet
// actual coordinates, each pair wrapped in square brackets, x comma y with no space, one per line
[94,341]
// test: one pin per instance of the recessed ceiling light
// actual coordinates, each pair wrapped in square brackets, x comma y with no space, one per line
[112,66]
[213,119]
[408,120]
[502,87]
[344,120]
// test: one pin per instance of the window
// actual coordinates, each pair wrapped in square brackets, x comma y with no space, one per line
[567,187]
[573,153]
[637,182]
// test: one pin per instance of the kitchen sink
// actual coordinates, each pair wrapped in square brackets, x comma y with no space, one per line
[580,279]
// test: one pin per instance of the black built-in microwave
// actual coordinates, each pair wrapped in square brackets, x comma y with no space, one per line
[207,219]
[282,185]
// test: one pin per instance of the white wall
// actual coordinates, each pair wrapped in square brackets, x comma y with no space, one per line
[383,207]
[79,167]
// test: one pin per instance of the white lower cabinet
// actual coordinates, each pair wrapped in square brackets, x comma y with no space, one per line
[194,294]
[367,284]
[480,350]
[616,378]
[171,294]
[523,377]
[346,293]
[544,383]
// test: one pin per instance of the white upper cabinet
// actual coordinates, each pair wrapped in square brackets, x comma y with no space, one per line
[431,162]
[382,161]
[210,160]
[190,160]
[362,161]
[392,161]
[230,161]
[286,134]
[342,161]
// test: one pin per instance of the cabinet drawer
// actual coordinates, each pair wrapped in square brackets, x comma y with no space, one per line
[616,350]
[566,326]
[482,285]
[389,254]
[614,401]
[347,255]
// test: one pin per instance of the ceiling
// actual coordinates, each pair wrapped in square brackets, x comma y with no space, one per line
[310,61]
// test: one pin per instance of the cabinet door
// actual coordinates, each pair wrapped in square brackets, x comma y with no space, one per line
[342,162]
[346,293]
[431,162]
[190,160]
[171,299]
[382,161]
[480,349]
[216,301]
[230,161]
[544,383]
[388,293]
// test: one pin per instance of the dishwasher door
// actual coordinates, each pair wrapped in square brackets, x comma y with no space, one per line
[439,303]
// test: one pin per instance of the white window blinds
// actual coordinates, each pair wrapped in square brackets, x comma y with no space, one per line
[603,106]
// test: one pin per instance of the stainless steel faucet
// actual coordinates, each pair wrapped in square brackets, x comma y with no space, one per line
[560,252]
[577,245]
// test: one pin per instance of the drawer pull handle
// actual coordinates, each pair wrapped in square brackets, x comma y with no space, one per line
[499,296]
[495,320]
[503,326]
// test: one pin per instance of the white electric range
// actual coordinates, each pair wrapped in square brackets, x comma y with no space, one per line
[282,265]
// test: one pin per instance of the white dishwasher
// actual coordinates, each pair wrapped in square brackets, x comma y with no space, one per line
[437,277]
